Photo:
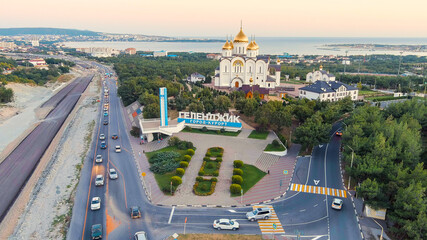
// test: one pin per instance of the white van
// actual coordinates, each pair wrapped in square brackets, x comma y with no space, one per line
[118,149]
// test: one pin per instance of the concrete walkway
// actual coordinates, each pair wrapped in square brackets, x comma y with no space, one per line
[269,186]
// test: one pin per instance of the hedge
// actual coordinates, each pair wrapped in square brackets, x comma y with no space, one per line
[176,180]
[180,172]
[187,158]
[183,164]
[238,163]
[190,152]
[235,188]
[238,171]
[237,179]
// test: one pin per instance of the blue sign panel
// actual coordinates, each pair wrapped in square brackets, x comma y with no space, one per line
[210,122]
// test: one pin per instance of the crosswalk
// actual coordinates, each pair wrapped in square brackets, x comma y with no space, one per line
[318,190]
[271,225]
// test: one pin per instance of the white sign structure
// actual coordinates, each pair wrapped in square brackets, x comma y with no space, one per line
[210,119]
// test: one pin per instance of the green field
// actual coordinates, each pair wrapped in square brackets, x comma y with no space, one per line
[212,132]
[251,175]
[271,148]
[258,135]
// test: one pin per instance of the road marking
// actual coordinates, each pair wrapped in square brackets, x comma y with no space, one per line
[318,190]
[266,226]
[170,217]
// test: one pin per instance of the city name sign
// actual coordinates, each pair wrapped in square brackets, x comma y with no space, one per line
[223,120]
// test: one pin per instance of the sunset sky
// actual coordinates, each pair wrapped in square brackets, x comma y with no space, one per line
[270,18]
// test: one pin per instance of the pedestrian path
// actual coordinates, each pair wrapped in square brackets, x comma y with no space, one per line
[271,225]
[318,190]
[265,161]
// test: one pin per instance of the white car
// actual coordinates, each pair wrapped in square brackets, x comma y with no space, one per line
[95,204]
[226,224]
[140,235]
[118,149]
[337,204]
[99,180]
[98,159]
[113,173]
[102,136]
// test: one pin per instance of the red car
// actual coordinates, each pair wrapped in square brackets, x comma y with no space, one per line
[114,136]
[338,133]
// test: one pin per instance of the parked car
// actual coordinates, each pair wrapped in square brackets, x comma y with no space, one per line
[227,224]
[337,204]
[113,173]
[105,108]
[141,235]
[95,204]
[99,180]
[259,213]
[118,149]
[114,136]
[338,133]
[96,231]
[135,212]
[98,159]
[105,122]
[102,136]
[103,145]
[105,114]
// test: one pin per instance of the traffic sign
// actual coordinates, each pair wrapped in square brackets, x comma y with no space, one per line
[274,226]
[143,174]
[285,172]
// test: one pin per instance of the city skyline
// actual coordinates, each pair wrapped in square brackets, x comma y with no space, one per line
[329,18]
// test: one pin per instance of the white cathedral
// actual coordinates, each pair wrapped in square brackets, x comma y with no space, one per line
[241,64]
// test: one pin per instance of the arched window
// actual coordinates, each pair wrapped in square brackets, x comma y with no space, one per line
[226,68]
[238,66]
[250,69]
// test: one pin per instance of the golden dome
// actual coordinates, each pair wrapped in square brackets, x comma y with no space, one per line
[256,45]
[227,46]
[231,43]
[241,37]
[251,46]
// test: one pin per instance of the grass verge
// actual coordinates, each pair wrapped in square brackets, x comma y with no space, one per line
[212,132]
[273,148]
[164,181]
[251,175]
[258,135]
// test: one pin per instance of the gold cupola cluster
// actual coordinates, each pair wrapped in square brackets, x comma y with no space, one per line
[252,46]
[227,46]
[241,37]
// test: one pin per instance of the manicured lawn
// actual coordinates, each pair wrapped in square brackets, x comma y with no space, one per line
[215,151]
[251,175]
[270,147]
[258,135]
[212,132]
[209,171]
[204,183]
[164,181]
[385,98]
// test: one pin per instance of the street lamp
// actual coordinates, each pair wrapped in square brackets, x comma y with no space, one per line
[351,166]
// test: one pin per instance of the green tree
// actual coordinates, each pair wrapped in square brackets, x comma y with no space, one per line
[222,104]
[313,131]
[151,111]
[196,107]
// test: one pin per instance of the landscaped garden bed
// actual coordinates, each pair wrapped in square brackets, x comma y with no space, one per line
[213,132]
[169,164]
[204,187]
[211,162]
[275,146]
[245,176]
[258,134]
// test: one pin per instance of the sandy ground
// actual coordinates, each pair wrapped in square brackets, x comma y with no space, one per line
[19,115]
[51,201]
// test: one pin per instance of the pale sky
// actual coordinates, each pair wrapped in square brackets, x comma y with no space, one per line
[268,18]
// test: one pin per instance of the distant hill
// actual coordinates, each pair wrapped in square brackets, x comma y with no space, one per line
[46,31]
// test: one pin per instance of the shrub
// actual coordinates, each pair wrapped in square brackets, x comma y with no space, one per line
[204,188]
[222,130]
[164,166]
[210,165]
[183,164]
[180,172]
[182,145]
[216,173]
[201,173]
[214,179]
[204,129]
[164,156]
[176,180]
[173,141]
[187,158]
[275,143]
[219,159]
[218,132]
[187,128]
[206,158]
[219,155]
[237,179]
[189,145]
[198,179]
[208,154]
[135,131]
[238,171]
[235,188]
[190,152]
[238,163]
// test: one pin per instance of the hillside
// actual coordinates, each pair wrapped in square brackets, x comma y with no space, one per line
[45,31]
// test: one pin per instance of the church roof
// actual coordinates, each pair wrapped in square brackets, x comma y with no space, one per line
[326,87]
[270,79]
[248,88]
[241,37]
[275,66]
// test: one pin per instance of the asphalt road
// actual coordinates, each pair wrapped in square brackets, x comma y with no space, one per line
[301,214]
[19,165]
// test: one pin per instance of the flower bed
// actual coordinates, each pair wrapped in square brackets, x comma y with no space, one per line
[211,162]
[204,187]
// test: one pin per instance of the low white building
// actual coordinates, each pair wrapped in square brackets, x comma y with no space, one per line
[328,91]
[196,77]
[161,53]
[39,63]
[319,75]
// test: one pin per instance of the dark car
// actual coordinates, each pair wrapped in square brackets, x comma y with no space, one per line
[103,145]
[96,231]
[114,136]
[338,133]
[135,212]
[105,122]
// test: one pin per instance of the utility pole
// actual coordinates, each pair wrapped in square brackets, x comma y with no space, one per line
[400,62]
[351,166]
